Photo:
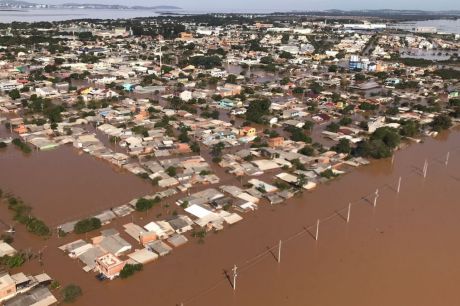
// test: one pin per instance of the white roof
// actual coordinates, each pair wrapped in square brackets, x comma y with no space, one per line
[247,197]
[154,227]
[230,218]
[198,211]
[266,164]
[287,177]
[6,249]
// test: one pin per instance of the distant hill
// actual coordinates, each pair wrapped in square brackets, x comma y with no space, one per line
[383,13]
[16,4]
[158,7]
[26,4]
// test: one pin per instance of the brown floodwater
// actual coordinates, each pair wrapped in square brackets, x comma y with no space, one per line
[401,252]
[66,184]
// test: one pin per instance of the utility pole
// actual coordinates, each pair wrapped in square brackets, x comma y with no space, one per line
[234,276]
[392,159]
[376,197]
[317,230]
[425,168]
[349,211]
[447,158]
[399,184]
[279,252]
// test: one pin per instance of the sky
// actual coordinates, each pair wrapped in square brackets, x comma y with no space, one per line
[281,5]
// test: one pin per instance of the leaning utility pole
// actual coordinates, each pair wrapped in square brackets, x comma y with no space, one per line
[349,211]
[234,276]
[399,184]
[376,197]
[425,168]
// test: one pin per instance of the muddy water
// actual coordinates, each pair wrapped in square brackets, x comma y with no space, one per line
[402,252]
[66,184]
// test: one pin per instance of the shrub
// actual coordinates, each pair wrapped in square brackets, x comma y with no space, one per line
[328,174]
[129,269]
[38,227]
[21,145]
[87,225]
[144,204]
[14,261]
[71,293]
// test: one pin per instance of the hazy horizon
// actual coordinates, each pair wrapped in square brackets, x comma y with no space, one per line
[287,5]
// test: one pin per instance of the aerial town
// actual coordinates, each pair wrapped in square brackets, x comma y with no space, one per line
[217,116]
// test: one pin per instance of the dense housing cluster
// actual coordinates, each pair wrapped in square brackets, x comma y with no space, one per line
[221,114]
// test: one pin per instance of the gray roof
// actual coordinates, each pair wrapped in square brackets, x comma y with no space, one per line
[160,247]
[89,257]
[36,295]
[109,232]
[178,223]
[114,244]
[177,240]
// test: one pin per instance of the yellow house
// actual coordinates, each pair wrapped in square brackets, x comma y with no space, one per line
[86,91]
[248,131]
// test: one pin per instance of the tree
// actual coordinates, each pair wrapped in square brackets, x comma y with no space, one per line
[257,109]
[195,147]
[285,81]
[409,128]
[298,134]
[38,227]
[171,171]
[176,102]
[14,94]
[345,121]
[332,68]
[343,146]
[87,225]
[333,127]
[389,136]
[308,125]
[143,204]
[21,145]
[286,55]
[316,88]
[307,150]
[206,62]
[183,136]
[13,261]
[266,60]
[380,145]
[231,78]
[360,77]
[441,122]
[216,149]
[129,269]
[71,293]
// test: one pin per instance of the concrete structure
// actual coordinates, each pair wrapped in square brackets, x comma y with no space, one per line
[109,265]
